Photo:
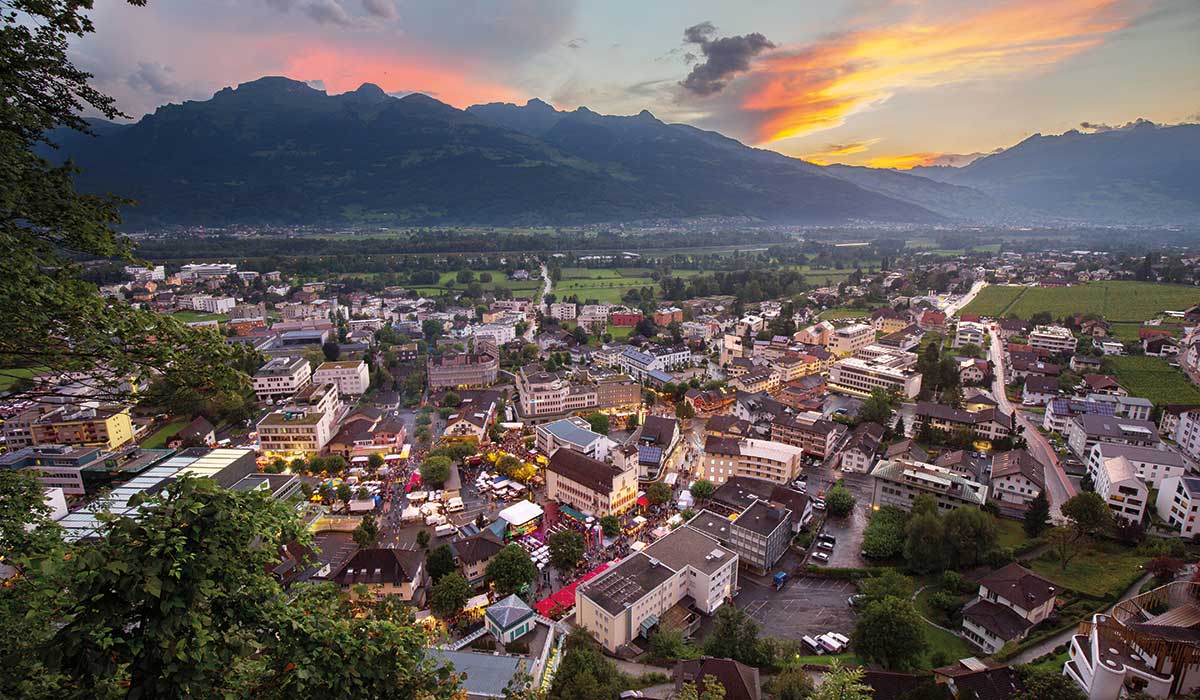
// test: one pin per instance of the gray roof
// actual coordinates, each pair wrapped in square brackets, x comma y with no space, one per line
[687,547]
[487,675]
[627,582]
[508,612]
[566,431]
[1137,453]
[763,518]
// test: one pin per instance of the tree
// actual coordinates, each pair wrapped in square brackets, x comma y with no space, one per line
[666,644]
[710,688]
[734,636]
[1046,684]
[440,562]
[449,595]
[877,408]
[331,350]
[366,533]
[374,460]
[585,673]
[1165,568]
[1087,515]
[843,683]
[922,546]
[510,570]
[969,534]
[1037,517]
[839,501]
[566,549]
[610,525]
[684,410]
[658,493]
[885,534]
[451,399]
[334,463]
[890,632]
[702,489]
[423,539]
[792,684]
[599,422]
[508,465]
[435,470]
[344,493]
[889,583]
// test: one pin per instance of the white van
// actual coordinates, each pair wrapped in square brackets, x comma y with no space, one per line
[435,519]
[843,639]
[455,505]
[830,644]
[813,645]
[446,530]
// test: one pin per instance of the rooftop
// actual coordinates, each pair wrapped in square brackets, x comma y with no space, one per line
[626,583]
[685,546]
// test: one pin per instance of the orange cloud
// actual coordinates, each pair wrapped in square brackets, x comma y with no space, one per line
[795,92]
[904,162]
[836,150]
[343,69]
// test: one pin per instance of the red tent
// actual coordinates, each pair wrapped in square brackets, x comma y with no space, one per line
[565,597]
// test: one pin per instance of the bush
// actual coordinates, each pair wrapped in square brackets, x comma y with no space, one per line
[997,557]
[839,501]
[884,535]
[955,583]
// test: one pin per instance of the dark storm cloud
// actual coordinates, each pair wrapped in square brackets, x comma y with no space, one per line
[723,57]
[154,77]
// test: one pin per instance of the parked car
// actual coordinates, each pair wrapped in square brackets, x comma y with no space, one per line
[825,536]
[818,504]
[825,544]
[821,556]
[854,600]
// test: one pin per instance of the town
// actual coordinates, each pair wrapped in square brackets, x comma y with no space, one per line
[965,473]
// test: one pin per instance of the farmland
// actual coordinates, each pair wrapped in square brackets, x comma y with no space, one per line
[1114,300]
[1154,379]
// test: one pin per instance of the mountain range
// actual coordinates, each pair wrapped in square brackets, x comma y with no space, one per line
[276,151]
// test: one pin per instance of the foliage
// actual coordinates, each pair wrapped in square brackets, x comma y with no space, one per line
[435,470]
[884,536]
[440,562]
[889,632]
[451,400]
[585,673]
[734,636]
[889,583]
[366,532]
[843,683]
[598,421]
[1037,517]
[510,570]
[423,539]
[449,595]
[667,644]
[702,489]
[877,408]
[970,534]
[1087,515]
[658,493]
[792,684]
[1165,568]
[1044,684]
[710,689]
[566,549]
[610,525]
[839,501]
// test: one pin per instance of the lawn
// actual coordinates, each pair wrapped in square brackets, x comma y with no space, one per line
[1154,379]
[168,431]
[943,644]
[194,316]
[10,376]
[1103,571]
[1010,533]
[994,300]
[841,312]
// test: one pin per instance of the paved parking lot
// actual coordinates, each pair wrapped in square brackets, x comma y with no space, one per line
[805,606]
[848,530]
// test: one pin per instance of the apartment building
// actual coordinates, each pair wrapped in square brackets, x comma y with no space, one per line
[563,311]
[848,340]
[1053,339]
[594,317]
[762,379]
[858,456]
[988,423]
[542,393]
[1017,477]
[1011,601]
[213,305]
[1118,483]
[462,371]
[629,600]
[809,430]
[1060,411]
[1187,433]
[793,365]
[969,333]
[1087,430]
[759,535]
[57,466]
[281,378]
[589,485]
[572,433]
[1152,465]
[351,376]
[1178,504]
[102,426]
[899,482]
[876,367]
[303,426]
[640,364]
[384,573]
[763,459]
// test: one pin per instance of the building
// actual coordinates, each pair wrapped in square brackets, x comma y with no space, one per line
[1059,412]
[303,426]
[1053,339]
[462,371]
[205,271]
[969,333]
[1118,483]
[474,553]
[759,535]
[808,430]
[1017,477]
[57,466]
[1152,465]
[737,680]
[563,311]
[281,378]
[213,305]
[1147,642]
[762,459]
[848,340]
[987,424]
[657,442]
[876,367]
[573,433]
[899,482]
[762,379]
[1086,430]
[1177,504]
[384,572]
[542,393]
[1011,601]
[509,619]
[1039,391]
[589,485]
[351,376]
[1187,433]
[628,601]
[102,426]
[858,456]
[640,364]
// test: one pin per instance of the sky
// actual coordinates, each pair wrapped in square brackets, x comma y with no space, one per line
[884,83]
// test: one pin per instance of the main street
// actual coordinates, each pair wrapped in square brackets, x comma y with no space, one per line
[1058,487]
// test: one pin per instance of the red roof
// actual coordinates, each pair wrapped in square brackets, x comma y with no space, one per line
[565,597]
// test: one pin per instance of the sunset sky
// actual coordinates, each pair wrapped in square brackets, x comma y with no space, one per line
[892,83]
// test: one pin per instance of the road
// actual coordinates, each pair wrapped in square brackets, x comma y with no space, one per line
[1059,488]
[546,287]
[953,307]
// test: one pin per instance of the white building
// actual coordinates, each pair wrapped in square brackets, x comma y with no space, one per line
[1117,482]
[1178,504]
[498,333]
[1017,477]
[573,433]
[1152,465]
[876,367]
[1053,339]
[899,482]
[146,274]
[763,459]
[281,378]
[303,426]
[213,305]
[1187,433]
[969,332]
[206,271]
[563,311]
[351,376]
[1011,601]
[850,339]
[1085,431]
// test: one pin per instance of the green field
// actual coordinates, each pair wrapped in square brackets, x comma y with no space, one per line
[1010,533]
[168,431]
[1114,300]
[194,316]
[10,376]
[841,312]
[1103,571]
[1154,379]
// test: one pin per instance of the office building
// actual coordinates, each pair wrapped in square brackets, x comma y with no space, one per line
[108,427]
[572,433]
[899,482]
[763,459]
[876,367]
[351,376]
[848,340]
[589,485]
[281,378]
[462,371]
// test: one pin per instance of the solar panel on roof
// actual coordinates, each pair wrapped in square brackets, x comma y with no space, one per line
[649,455]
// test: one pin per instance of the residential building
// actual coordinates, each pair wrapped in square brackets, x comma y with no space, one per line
[1011,601]
[1178,503]
[1151,464]
[1053,339]
[303,426]
[968,333]
[589,485]
[763,459]
[808,430]
[1187,433]
[102,426]
[474,553]
[281,378]
[848,340]
[563,311]
[876,367]
[213,305]
[1039,391]
[1117,482]
[667,315]
[639,364]
[1084,431]
[858,456]
[628,600]
[204,271]
[763,379]
[57,466]
[888,321]
[351,376]
[462,371]
[988,423]
[1060,411]
[1017,477]
[542,393]
[573,433]
[899,482]
[759,535]
[385,572]
[737,680]
[658,442]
